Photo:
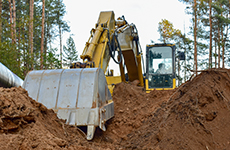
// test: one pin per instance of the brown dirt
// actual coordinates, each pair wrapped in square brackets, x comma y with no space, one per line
[194,116]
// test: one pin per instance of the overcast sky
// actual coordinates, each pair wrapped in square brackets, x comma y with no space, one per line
[145,14]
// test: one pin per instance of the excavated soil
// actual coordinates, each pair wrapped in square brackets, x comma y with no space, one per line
[194,116]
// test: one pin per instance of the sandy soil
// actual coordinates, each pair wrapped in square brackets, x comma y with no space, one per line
[194,116]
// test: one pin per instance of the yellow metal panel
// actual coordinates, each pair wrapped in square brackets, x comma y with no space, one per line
[147,85]
[131,64]
[95,50]
[140,75]
[174,83]
[107,17]
[111,81]
[101,47]
[148,90]
[93,44]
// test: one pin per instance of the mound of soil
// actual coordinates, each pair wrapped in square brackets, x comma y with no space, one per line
[26,124]
[132,107]
[194,116]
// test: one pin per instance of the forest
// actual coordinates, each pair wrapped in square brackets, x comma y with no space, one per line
[28,29]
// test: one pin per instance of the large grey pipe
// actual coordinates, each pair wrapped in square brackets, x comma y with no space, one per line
[8,78]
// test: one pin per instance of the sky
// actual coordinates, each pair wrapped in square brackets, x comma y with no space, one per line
[145,14]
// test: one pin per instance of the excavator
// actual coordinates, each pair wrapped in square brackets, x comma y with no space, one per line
[82,95]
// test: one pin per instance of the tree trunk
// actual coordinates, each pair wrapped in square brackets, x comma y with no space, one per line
[218,47]
[14,22]
[26,65]
[226,35]
[46,38]
[185,69]
[42,36]
[17,50]
[223,45]
[195,44]
[11,22]
[31,32]
[179,78]
[224,39]
[0,21]
[215,55]
[210,38]
[60,35]
[60,43]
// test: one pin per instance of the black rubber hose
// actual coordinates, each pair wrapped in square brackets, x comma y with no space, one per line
[112,49]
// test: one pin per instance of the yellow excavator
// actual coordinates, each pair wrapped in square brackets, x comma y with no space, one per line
[82,95]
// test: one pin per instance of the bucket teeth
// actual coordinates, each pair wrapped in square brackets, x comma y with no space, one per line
[90,132]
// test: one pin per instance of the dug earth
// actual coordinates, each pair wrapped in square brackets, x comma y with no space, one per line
[196,115]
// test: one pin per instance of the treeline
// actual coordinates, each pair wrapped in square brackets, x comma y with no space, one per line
[28,29]
[206,44]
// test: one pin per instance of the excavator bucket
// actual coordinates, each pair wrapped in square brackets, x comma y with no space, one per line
[79,96]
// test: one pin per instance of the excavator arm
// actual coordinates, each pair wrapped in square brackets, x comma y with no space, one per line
[96,52]
[112,36]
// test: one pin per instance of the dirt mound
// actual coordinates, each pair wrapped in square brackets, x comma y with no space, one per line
[194,116]
[26,124]
[132,107]
[197,116]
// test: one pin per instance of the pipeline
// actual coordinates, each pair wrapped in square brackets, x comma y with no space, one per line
[8,78]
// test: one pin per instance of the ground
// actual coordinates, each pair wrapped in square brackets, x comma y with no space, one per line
[195,115]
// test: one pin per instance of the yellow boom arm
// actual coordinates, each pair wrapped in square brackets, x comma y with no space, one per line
[113,35]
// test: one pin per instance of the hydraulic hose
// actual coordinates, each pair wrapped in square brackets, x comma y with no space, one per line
[112,47]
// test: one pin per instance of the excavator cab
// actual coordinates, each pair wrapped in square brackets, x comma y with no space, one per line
[160,67]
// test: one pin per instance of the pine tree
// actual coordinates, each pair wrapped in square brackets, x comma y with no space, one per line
[70,52]
[52,59]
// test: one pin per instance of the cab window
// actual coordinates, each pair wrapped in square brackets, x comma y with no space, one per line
[160,60]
